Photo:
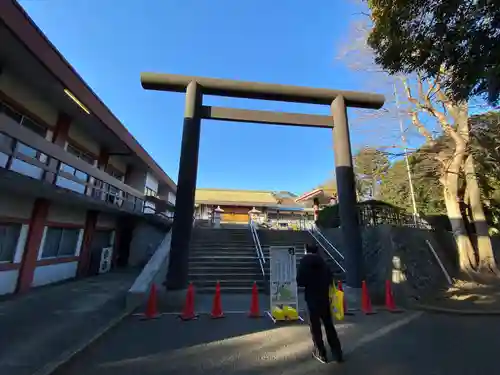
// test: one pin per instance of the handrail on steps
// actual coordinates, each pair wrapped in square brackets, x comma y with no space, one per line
[326,250]
[258,247]
[317,230]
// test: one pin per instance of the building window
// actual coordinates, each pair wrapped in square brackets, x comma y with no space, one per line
[114,194]
[150,192]
[26,122]
[60,242]
[9,235]
[81,154]
[115,173]
[23,120]
[85,156]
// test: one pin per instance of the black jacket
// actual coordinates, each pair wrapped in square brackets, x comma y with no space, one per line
[315,276]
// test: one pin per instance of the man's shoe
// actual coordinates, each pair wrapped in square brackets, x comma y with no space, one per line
[338,357]
[321,357]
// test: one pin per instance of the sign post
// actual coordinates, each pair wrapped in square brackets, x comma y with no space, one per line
[284,301]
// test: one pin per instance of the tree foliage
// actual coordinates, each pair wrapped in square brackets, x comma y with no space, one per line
[329,186]
[457,41]
[424,168]
[370,165]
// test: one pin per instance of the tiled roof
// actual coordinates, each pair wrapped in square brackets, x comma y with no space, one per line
[236,196]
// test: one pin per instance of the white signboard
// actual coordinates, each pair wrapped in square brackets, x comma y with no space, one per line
[283,277]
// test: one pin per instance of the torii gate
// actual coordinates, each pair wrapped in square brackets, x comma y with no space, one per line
[196,87]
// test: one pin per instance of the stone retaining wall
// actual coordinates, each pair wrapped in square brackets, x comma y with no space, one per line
[403,256]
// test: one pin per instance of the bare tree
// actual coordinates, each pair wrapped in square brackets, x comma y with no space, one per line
[433,115]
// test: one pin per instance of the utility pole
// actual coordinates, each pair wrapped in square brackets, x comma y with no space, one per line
[408,169]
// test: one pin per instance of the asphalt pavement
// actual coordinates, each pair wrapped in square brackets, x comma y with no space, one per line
[407,344]
[38,328]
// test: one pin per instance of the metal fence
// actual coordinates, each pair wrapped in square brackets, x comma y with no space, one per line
[371,215]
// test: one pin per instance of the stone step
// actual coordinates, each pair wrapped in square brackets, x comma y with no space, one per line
[221,243]
[224,268]
[221,239]
[298,246]
[224,263]
[228,284]
[213,250]
[225,274]
[231,290]
[222,248]
[218,254]
[236,276]
[225,258]
[224,230]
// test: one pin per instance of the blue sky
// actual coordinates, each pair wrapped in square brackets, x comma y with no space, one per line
[110,42]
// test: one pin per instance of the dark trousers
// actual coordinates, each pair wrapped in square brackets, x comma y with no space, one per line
[320,312]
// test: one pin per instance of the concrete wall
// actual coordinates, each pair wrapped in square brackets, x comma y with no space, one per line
[154,272]
[145,240]
[106,221]
[136,178]
[78,134]
[53,273]
[401,255]
[118,163]
[8,278]
[18,90]
[15,206]
[8,281]
[66,214]
[151,182]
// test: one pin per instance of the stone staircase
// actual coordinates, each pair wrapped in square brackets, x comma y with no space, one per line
[298,239]
[225,255]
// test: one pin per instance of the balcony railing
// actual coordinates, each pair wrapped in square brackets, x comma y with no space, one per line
[25,152]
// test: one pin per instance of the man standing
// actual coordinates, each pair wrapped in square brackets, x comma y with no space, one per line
[315,276]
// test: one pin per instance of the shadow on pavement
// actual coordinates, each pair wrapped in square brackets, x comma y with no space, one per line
[37,327]
[235,343]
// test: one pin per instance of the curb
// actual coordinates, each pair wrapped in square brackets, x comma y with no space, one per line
[66,356]
[443,310]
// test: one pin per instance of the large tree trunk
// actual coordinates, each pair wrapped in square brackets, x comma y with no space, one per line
[466,256]
[484,249]
[450,180]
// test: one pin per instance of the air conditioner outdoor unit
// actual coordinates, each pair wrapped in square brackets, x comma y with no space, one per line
[106,257]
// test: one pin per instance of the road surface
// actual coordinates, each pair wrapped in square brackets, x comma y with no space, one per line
[407,344]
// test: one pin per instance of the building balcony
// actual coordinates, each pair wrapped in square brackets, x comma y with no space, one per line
[34,166]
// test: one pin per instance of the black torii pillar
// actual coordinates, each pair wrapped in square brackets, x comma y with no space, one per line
[346,190]
[177,277]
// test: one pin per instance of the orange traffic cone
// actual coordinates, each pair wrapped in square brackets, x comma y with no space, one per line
[254,304]
[346,311]
[366,303]
[152,306]
[217,305]
[390,304]
[188,311]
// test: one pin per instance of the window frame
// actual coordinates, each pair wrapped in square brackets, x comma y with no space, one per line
[63,228]
[16,244]
[23,121]
[81,154]
[113,194]
[148,191]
